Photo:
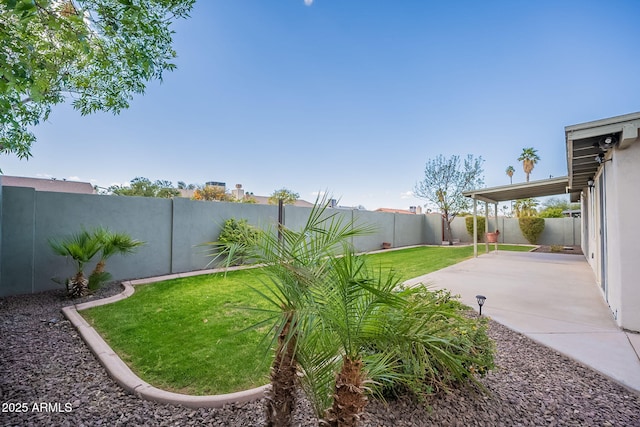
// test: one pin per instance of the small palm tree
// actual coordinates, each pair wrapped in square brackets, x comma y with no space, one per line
[352,312]
[529,158]
[510,171]
[368,334]
[525,207]
[81,248]
[296,262]
[111,243]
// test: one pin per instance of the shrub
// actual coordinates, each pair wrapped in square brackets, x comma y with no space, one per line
[531,227]
[557,248]
[82,247]
[551,213]
[481,224]
[449,348]
[235,243]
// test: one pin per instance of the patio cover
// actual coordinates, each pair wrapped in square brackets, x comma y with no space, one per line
[541,188]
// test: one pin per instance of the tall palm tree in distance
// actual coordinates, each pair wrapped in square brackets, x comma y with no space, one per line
[529,158]
[510,170]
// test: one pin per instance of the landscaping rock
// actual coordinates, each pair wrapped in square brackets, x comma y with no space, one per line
[45,365]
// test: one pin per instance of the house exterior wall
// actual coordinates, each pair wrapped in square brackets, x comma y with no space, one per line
[623,235]
[610,240]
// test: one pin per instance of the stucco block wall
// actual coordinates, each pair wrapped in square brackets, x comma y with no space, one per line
[173,230]
[146,219]
[198,222]
[18,239]
[557,231]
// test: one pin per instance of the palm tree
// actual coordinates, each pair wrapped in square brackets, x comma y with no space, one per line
[296,261]
[80,247]
[529,158]
[342,330]
[525,207]
[367,333]
[110,244]
[334,352]
[510,171]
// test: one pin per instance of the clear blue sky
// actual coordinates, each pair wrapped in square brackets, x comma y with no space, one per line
[354,96]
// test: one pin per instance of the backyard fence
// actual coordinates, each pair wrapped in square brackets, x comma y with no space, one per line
[175,229]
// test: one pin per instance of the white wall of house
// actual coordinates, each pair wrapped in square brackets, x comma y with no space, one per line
[623,232]
[612,238]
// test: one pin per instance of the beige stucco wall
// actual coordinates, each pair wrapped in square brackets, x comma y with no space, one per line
[621,180]
[623,232]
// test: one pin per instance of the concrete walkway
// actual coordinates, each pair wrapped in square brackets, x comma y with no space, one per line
[551,298]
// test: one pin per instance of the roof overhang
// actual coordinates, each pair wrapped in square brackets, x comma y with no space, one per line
[584,145]
[541,188]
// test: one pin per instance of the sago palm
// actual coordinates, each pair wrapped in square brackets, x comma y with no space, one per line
[529,157]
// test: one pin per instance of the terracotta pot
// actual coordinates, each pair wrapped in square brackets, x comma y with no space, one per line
[492,237]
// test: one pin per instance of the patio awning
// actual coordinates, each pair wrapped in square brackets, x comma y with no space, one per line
[524,190]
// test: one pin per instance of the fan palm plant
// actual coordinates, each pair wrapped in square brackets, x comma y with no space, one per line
[529,157]
[296,262]
[111,243]
[510,171]
[81,248]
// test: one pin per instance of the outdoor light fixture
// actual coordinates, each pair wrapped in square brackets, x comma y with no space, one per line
[590,182]
[607,142]
[480,299]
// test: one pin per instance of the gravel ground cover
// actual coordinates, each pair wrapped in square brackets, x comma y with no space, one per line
[49,377]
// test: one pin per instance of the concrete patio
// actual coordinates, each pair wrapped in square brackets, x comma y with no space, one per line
[551,298]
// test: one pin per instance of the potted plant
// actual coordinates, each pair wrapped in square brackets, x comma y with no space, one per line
[493,237]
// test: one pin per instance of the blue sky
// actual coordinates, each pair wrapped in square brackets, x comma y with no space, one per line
[354,96]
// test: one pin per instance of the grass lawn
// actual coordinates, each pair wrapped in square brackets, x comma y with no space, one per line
[188,335]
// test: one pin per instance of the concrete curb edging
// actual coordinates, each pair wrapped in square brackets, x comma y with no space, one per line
[122,374]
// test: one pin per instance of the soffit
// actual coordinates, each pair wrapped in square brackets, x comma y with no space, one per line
[583,145]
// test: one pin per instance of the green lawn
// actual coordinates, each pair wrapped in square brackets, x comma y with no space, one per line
[188,335]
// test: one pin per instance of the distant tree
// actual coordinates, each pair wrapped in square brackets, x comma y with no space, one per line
[529,158]
[555,206]
[288,197]
[211,193]
[510,171]
[445,180]
[98,53]
[184,186]
[551,213]
[143,187]
[525,207]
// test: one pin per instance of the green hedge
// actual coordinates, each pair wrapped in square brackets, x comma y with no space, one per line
[531,227]
[469,222]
